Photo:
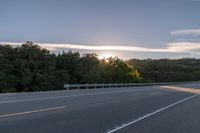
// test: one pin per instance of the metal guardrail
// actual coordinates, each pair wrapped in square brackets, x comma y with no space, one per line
[88,86]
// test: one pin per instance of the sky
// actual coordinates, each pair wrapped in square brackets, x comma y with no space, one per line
[123,28]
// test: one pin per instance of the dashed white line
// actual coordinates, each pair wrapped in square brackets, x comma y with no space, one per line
[150,114]
[33,111]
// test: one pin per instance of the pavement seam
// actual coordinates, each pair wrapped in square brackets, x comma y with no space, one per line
[64,96]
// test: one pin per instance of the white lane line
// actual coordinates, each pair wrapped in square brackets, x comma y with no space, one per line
[32,99]
[148,115]
[33,111]
[65,96]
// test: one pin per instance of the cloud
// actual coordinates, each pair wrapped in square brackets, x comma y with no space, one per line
[183,46]
[53,46]
[195,32]
[173,47]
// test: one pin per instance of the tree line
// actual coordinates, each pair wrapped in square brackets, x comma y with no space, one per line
[168,70]
[31,68]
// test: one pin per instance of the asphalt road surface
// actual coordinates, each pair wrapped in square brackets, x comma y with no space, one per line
[149,109]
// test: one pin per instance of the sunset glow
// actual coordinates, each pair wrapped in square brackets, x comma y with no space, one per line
[105,55]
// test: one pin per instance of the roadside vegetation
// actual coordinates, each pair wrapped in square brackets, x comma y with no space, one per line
[168,70]
[31,68]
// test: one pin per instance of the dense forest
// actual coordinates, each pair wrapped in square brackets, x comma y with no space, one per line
[168,70]
[31,68]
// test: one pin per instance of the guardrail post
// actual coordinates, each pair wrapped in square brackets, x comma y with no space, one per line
[95,86]
[66,86]
[78,87]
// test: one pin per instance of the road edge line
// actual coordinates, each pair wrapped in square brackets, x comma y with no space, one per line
[150,114]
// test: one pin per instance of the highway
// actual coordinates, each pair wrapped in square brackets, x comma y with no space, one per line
[145,109]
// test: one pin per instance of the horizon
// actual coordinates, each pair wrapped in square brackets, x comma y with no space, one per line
[104,55]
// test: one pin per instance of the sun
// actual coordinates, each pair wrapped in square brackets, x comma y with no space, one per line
[105,55]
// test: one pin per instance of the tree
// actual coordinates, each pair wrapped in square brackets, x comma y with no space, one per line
[31,68]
